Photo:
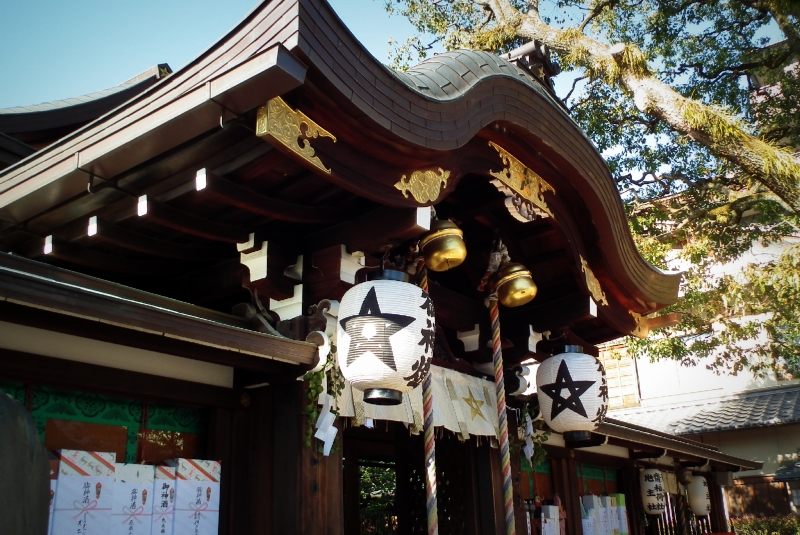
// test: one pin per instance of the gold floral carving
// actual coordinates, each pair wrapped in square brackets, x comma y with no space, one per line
[279,123]
[593,284]
[642,329]
[523,181]
[425,186]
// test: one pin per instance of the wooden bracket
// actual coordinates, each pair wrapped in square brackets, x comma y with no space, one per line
[333,272]
[470,339]
[270,268]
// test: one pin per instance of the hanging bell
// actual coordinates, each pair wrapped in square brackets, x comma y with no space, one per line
[443,246]
[514,285]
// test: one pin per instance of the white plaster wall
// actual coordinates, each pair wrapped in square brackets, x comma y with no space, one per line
[75,348]
[771,445]
[667,382]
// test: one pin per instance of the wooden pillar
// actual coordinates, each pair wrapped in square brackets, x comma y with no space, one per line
[219,448]
[520,518]
[719,523]
[255,499]
[488,497]
[497,490]
[635,509]
[288,441]
[321,491]
[570,500]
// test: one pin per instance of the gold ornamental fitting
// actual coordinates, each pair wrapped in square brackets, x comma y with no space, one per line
[514,286]
[443,246]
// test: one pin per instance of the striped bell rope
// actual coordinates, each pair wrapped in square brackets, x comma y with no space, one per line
[431,504]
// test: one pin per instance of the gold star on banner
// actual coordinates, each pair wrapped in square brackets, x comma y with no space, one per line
[474,406]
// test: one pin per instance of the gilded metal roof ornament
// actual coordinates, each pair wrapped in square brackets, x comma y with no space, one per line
[277,122]
[524,183]
[593,284]
[424,186]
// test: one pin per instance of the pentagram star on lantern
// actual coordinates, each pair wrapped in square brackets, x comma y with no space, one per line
[474,406]
[370,330]
[576,390]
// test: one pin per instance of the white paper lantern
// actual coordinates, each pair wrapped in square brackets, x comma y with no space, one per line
[573,393]
[699,497]
[653,494]
[385,338]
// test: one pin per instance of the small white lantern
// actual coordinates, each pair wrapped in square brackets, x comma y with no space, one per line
[573,393]
[653,494]
[699,497]
[385,337]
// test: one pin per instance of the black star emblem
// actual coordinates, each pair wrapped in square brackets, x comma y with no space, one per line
[576,390]
[370,330]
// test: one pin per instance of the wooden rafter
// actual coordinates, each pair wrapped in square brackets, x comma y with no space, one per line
[83,256]
[231,193]
[134,241]
[189,223]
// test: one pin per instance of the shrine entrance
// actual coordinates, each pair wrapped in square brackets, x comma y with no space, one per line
[384,483]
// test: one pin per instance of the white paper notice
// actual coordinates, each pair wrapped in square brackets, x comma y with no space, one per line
[550,526]
[622,516]
[83,505]
[589,526]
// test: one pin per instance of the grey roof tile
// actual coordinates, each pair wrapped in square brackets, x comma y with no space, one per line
[758,409]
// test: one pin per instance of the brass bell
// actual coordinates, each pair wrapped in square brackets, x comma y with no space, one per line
[443,246]
[514,285]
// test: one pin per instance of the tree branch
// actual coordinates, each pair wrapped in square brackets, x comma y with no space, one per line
[598,8]
[574,83]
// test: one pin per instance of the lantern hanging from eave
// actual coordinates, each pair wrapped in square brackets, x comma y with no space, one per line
[573,393]
[699,497]
[654,496]
[385,336]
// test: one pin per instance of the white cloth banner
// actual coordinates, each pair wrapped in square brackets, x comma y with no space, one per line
[462,404]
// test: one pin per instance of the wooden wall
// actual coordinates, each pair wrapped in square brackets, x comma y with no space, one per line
[757,496]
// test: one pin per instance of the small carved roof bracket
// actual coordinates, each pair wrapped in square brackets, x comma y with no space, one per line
[523,187]
[278,123]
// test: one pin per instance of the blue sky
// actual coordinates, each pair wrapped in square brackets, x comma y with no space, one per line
[54,49]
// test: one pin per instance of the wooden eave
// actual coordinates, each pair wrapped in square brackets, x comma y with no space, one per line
[42,287]
[41,124]
[677,447]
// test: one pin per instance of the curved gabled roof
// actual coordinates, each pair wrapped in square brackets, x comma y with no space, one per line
[440,113]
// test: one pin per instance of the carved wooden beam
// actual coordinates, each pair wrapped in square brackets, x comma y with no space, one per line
[119,236]
[375,231]
[233,194]
[189,223]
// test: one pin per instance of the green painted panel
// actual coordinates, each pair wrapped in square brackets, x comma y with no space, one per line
[544,467]
[97,409]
